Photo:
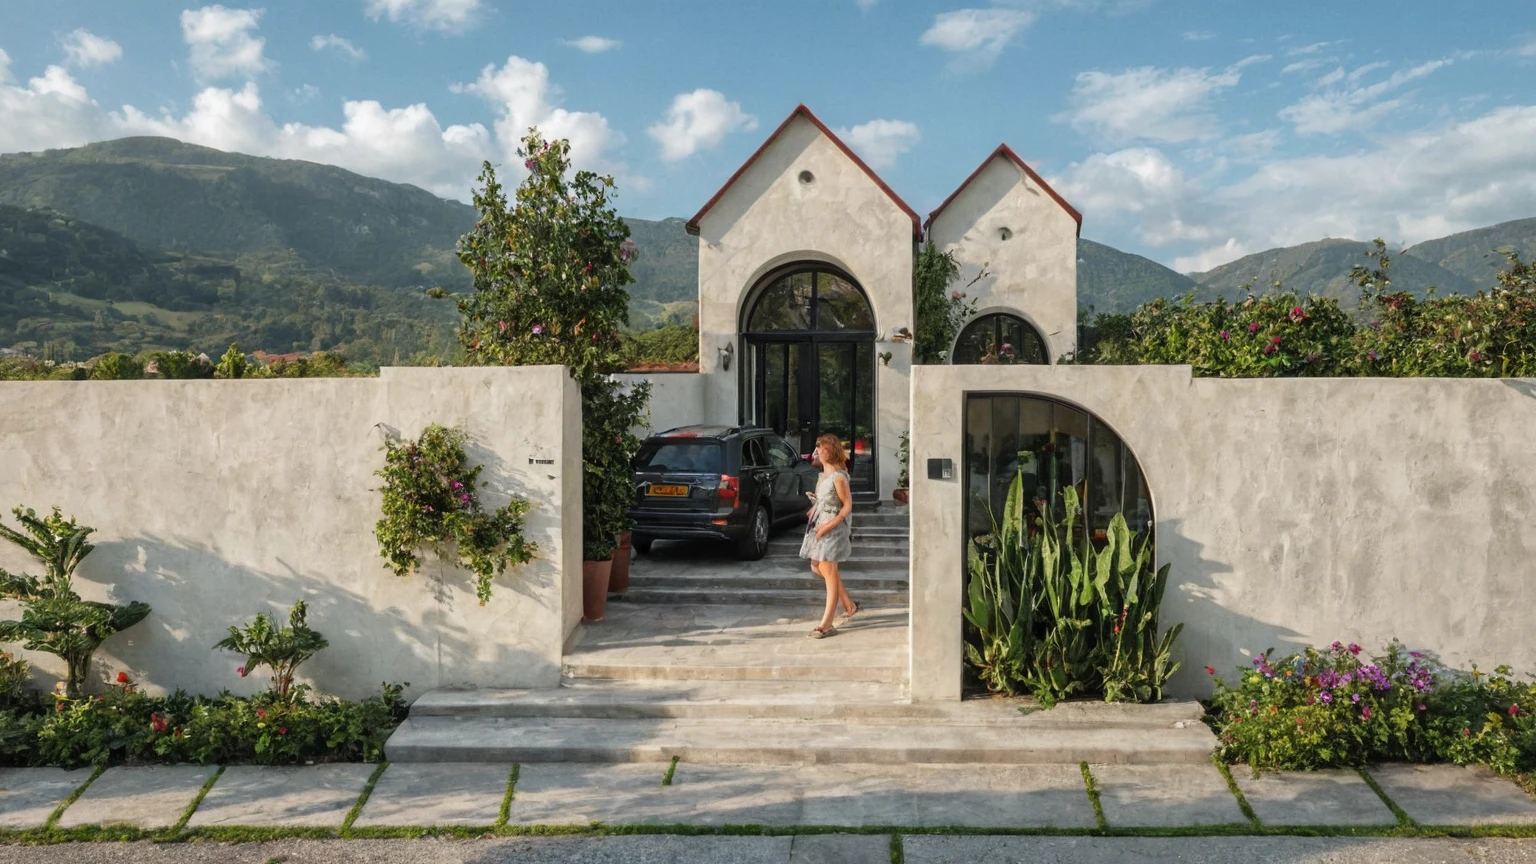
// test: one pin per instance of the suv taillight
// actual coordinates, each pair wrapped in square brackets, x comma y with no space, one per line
[730,489]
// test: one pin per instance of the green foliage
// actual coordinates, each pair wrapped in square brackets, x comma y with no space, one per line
[1394,334]
[550,271]
[117,367]
[232,365]
[669,344]
[54,619]
[1054,620]
[126,724]
[430,500]
[938,312]
[1327,707]
[281,649]
[181,365]
[14,672]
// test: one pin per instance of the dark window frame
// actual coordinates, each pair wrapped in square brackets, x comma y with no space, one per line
[996,320]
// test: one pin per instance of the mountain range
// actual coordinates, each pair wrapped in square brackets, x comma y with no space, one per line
[146,243]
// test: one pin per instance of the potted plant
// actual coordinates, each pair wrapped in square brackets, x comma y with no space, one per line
[903,455]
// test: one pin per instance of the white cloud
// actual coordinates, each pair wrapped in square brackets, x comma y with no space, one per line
[222,42]
[1198,35]
[1314,48]
[977,35]
[451,16]
[343,46]
[1526,48]
[880,142]
[1352,106]
[304,93]
[1305,65]
[1211,257]
[52,110]
[1148,103]
[84,49]
[696,121]
[592,44]
[522,96]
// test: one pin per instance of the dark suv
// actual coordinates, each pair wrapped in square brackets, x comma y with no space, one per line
[718,482]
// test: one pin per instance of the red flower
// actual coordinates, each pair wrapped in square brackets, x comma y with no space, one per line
[1210,671]
[157,722]
[122,677]
[262,713]
[282,730]
[1513,710]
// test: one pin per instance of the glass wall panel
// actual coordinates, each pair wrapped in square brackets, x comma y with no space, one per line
[999,338]
[978,465]
[783,305]
[840,306]
[864,435]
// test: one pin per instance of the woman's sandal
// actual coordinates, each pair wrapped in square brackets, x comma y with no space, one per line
[822,632]
[857,608]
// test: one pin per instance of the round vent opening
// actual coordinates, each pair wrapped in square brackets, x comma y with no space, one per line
[1005,234]
[807,177]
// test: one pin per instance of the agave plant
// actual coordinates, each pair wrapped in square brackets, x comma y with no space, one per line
[54,619]
[1135,660]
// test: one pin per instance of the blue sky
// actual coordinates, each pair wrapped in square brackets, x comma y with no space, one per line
[1191,131]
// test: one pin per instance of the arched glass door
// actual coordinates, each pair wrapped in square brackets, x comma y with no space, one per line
[809,334]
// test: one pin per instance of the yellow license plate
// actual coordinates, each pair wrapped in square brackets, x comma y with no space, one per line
[668,492]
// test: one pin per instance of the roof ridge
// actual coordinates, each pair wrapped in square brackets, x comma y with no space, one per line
[1004,151]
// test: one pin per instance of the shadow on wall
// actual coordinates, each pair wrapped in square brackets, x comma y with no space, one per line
[402,630]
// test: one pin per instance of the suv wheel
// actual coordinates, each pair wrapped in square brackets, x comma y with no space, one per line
[755,544]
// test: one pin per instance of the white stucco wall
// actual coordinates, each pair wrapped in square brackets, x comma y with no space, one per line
[215,500]
[1292,512]
[677,399]
[768,218]
[1033,273]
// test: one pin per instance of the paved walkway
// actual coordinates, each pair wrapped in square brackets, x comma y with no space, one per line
[972,797]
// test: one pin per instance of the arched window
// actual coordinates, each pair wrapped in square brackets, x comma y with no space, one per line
[1051,445]
[809,300]
[999,338]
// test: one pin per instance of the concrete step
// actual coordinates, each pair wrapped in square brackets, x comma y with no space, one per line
[802,599]
[861,563]
[894,518]
[798,579]
[641,671]
[627,700]
[883,546]
[734,740]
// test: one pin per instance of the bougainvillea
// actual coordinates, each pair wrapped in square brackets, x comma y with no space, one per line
[431,501]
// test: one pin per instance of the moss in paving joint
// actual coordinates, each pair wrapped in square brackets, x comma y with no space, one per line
[1093,795]
[1237,792]
[362,799]
[197,800]
[1403,819]
[898,854]
[505,813]
[53,818]
[666,779]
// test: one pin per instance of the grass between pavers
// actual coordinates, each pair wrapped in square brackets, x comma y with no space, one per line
[362,798]
[253,834]
[1237,792]
[1092,787]
[666,779]
[505,813]
[58,812]
[197,800]
[1403,819]
[898,853]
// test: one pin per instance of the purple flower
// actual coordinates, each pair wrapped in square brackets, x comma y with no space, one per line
[1372,354]
[1354,697]
[1225,336]
[464,498]
[1354,649]
[528,163]
[456,485]
[1327,697]
[537,329]
[1254,327]
[1375,325]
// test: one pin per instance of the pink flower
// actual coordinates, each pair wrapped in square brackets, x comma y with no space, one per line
[1225,336]
[1254,327]
[1365,713]
[537,329]
[1210,671]
[528,163]
[240,670]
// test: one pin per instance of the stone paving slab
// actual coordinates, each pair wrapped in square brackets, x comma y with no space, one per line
[1214,850]
[310,796]
[437,794]
[28,796]
[144,797]
[567,793]
[1331,797]
[840,849]
[1147,796]
[1453,795]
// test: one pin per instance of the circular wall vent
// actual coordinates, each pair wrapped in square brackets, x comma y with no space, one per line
[807,177]
[1005,234]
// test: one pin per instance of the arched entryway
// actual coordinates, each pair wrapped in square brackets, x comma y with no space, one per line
[1054,445]
[808,333]
[999,338]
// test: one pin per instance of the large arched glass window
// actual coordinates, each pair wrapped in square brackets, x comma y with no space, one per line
[810,300]
[1050,445]
[999,338]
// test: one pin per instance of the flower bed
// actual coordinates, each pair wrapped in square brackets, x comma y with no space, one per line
[1332,707]
[124,724]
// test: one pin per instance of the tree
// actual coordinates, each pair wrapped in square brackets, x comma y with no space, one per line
[232,365]
[938,312]
[54,619]
[550,270]
[117,367]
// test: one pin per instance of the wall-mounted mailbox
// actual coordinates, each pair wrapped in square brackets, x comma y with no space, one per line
[941,469]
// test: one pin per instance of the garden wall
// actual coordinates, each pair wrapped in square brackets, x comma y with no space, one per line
[215,500]
[1293,512]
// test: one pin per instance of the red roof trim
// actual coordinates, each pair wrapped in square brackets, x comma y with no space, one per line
[802,111]
[1007,152]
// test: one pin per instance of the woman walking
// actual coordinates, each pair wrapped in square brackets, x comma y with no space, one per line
[828,533]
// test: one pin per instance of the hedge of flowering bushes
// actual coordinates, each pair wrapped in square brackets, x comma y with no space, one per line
[124,724]
[1332,707]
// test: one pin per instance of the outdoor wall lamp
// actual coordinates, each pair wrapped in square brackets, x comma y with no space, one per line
[725,356]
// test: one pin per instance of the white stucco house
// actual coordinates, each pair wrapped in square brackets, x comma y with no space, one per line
[805,292]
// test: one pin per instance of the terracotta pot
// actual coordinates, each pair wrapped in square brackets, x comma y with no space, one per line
[594,588]
[618,581]
[901,495]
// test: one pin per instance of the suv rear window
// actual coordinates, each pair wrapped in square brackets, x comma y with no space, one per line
[679,457]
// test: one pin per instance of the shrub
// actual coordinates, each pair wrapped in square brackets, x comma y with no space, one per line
[282,650]
[54,619]
[117,367]
[13,678]
[430,500]
[1055,616]
[183,365]
[1327,708]
[126,724]
[938,312]
[670,344]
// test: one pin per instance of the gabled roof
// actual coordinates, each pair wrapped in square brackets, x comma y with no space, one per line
[802,111]
[1006,152]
